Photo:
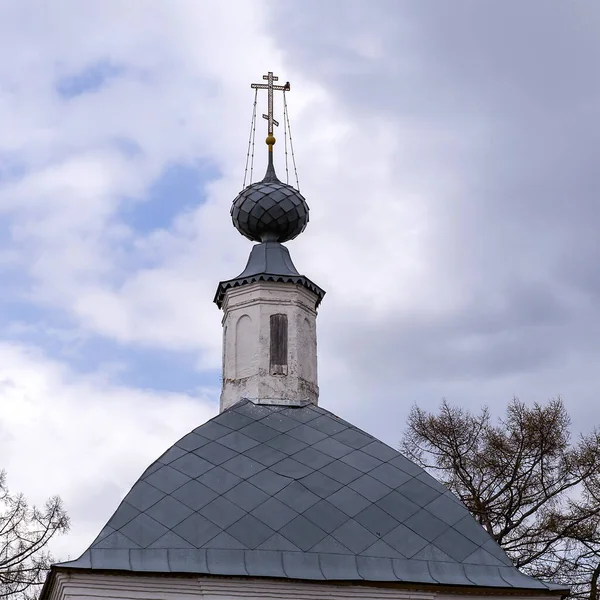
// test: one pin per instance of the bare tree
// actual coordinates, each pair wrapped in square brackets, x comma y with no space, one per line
[534,491]
[584,519]
[24,535]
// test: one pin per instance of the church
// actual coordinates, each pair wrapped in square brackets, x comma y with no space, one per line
[276,496]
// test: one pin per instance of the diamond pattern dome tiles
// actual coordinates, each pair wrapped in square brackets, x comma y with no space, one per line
[297,492]
[270,211]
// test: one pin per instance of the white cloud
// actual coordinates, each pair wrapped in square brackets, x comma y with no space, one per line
[83,438]
[173,100]
[181,97]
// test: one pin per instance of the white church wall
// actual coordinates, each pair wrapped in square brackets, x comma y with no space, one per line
[85,586]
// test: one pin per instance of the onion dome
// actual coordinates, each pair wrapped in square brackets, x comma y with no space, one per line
[270,210]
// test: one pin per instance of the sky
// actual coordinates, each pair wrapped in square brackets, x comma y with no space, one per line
[449,156]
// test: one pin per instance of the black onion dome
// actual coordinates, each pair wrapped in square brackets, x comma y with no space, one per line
[270,210]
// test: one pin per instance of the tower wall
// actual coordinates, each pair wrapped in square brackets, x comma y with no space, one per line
[269,343]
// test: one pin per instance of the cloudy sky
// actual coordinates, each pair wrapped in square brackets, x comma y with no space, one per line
[449,154]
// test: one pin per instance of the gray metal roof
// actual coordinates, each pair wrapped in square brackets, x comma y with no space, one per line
[297,492]
[268,261]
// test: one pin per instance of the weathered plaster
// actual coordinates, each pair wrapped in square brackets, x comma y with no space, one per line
[246,343]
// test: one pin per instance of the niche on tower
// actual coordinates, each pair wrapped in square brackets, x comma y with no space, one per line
[279,345]
[244,350]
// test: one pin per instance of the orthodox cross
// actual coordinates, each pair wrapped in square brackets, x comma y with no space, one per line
[270,87]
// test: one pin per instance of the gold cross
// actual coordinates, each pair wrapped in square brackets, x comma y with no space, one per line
[270,87]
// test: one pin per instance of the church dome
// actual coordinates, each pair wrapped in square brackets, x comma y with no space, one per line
[270,210]
[296,492]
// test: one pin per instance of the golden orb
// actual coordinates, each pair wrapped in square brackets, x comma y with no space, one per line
[270,140]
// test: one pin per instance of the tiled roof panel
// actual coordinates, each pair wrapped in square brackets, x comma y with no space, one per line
[296,492]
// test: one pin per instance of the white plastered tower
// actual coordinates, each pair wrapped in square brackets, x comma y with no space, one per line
[269,331]
[269,344]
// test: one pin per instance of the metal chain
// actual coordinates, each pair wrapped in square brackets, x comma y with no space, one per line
[287,117]
[251,143]
[285,143]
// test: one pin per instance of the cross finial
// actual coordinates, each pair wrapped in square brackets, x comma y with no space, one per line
[270,78]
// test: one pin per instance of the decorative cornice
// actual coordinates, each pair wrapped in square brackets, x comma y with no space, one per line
[239,281]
